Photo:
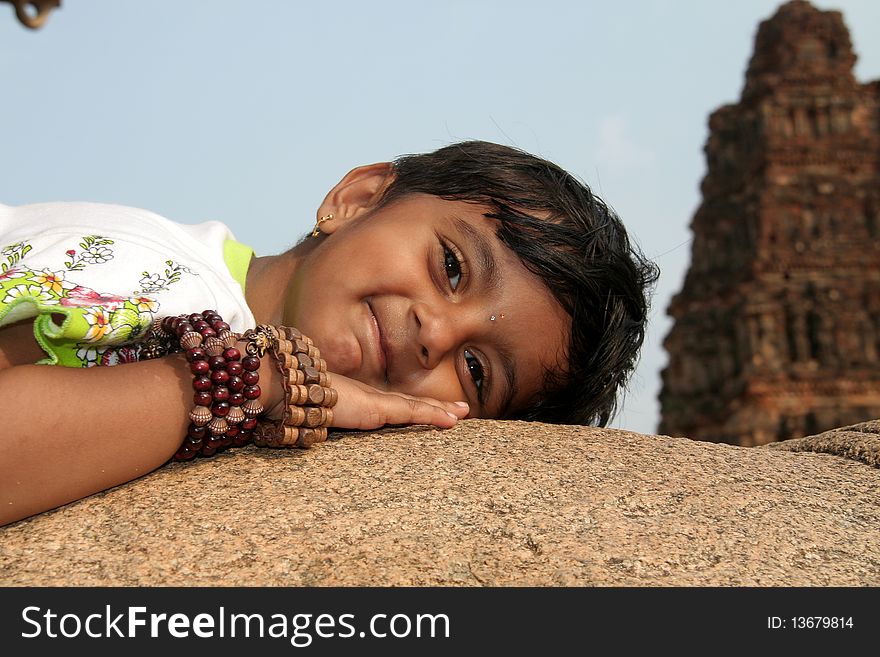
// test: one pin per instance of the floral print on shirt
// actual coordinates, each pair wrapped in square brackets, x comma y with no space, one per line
[98,328]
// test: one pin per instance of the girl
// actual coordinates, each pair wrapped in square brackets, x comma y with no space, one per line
[475,281]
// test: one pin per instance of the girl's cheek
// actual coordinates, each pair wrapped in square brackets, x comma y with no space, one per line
[441,384]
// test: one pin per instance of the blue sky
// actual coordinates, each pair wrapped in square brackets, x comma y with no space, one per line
[247,112]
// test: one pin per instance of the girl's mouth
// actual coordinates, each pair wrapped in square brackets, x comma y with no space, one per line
[379,341]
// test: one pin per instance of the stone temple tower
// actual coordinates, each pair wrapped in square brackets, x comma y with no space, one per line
[777,328]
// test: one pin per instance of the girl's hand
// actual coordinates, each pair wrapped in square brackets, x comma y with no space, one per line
[363,407]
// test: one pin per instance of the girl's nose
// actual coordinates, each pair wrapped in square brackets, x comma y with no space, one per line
[438,332]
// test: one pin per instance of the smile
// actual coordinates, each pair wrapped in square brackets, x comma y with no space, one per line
[379,342]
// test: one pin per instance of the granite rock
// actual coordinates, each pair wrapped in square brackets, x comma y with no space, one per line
[484,504]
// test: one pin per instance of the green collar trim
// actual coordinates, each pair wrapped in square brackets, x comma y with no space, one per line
[238,258]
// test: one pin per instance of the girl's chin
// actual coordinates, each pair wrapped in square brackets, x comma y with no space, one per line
[342,361]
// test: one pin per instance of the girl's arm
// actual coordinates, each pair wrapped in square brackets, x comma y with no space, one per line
[68,433]
[18,345]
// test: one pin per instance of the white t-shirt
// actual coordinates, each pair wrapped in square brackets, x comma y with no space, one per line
[94,276]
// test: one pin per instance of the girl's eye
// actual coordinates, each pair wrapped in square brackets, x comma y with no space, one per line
[476,370]
[452,265]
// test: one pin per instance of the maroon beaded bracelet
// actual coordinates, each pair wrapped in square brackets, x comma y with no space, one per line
[226,394]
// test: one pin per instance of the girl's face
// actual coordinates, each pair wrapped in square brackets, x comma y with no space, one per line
[421,297]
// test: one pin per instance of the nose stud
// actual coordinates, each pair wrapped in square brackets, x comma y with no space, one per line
[492,318]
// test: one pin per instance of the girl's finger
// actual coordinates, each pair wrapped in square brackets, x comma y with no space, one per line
[375,410]
[457,408]
[400,410]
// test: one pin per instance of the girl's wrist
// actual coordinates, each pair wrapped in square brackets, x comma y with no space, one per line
[272,387]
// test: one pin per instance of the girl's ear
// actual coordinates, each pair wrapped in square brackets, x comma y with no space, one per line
[356,194]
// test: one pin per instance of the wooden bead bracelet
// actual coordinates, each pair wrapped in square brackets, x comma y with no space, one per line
[308,396]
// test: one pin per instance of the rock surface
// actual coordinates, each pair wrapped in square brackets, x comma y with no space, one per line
[485,504]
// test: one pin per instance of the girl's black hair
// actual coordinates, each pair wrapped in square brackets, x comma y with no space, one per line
[574,243]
